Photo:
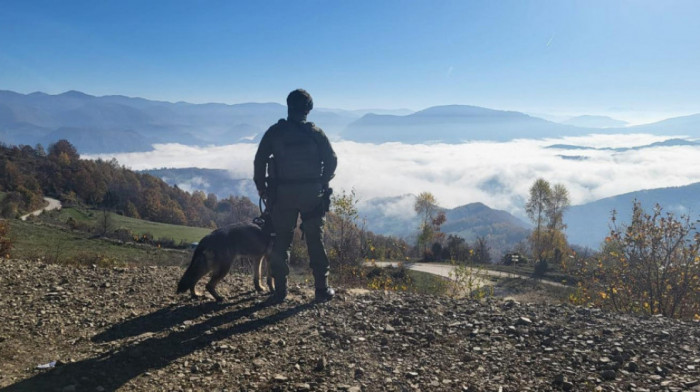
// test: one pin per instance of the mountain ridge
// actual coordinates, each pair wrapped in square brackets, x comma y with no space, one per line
[595,121]
[588,223]
[31,118]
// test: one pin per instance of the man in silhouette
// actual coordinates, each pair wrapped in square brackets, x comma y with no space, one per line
[293,166]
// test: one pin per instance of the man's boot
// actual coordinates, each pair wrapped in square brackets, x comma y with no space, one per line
[280,292]
[323,291]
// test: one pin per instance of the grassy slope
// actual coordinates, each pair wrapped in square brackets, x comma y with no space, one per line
[137,226]
[44,238]
[34,240]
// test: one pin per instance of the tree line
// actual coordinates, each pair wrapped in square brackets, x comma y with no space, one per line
[28,174]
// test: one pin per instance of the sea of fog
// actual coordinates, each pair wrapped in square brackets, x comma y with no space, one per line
[497,174]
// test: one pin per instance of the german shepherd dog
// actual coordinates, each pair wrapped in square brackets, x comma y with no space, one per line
[217,251]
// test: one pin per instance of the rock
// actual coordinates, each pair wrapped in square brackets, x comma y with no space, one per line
[608,375]
[321,364]
[372,341]
[559,379]
[523,321]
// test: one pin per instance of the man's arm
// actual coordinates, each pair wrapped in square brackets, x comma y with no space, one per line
[330,160]
[260,162]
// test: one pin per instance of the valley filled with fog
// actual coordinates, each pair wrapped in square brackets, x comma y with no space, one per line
[495,173]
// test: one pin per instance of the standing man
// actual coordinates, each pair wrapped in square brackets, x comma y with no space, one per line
[293,166]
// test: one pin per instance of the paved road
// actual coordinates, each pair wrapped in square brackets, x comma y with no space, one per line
[445,270]
[53,205]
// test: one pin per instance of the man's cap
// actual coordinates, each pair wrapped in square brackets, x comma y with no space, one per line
[300,100]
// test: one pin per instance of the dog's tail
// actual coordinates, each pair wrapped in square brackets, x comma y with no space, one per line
[192,274]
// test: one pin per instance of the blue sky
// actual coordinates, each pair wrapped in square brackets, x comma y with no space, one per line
[635,60]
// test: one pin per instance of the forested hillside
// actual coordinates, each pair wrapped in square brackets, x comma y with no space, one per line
[28,174]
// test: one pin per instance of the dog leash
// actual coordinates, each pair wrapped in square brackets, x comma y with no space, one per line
[262,220]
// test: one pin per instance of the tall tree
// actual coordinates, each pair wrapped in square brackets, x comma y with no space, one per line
[536,208]
[431,219]
[545,207]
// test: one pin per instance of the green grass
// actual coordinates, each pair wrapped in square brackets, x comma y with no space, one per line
[186,234]
[425,283]
[161,230]
[35,240]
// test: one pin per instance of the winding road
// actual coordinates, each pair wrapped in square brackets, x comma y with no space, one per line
[445,270]
[53,205]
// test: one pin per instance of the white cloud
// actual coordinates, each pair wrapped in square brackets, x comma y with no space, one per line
[193,184]
[497,174]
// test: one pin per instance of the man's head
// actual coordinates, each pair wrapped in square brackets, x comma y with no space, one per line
[299,102]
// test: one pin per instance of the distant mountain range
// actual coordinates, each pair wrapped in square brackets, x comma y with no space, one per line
[588,121]
[454,124]
[459,123]
[122,124]
[675,142]
[588,224]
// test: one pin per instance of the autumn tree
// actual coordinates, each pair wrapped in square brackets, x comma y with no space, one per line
[545,208]
[456,249]
[482,251]
[651,266]
[105,223]
[381,247]
[343,234]
[431,218]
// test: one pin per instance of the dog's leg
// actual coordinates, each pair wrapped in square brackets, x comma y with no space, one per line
[216,278]
[257,273]
[270,280]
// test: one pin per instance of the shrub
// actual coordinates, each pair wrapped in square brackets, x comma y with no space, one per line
[651,266]
[468,280]
[540,269]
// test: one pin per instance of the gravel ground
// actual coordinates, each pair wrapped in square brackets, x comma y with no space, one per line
[125,329]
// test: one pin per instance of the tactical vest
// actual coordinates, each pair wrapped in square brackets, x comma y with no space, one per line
[296,151]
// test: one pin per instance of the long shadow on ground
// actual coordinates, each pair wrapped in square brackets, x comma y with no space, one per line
[162,319]
[112,370]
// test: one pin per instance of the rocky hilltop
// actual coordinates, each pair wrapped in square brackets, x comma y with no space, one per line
[124,329]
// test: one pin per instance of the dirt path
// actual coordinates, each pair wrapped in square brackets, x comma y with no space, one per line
[445,270]
[53,205]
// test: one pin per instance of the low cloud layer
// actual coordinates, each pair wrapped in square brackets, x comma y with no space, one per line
[497,174]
